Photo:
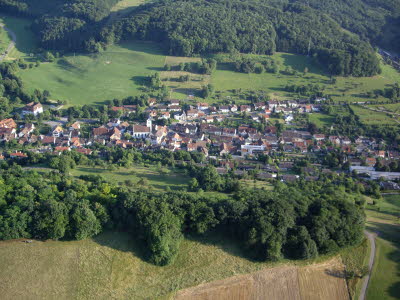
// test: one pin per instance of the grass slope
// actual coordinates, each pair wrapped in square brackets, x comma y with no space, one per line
[91,79]
[384,219]
[26,42]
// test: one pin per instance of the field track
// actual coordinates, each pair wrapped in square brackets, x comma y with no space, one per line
[321,281]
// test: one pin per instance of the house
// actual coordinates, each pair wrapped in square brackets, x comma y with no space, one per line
[27,130]
[224,109]
[165,115]
[152,101]
[202,106]
[100,133]
[319,137]
[18,155]
[57,131]
[245,108]
[173,102]
[7,134]
[234,108]
[32,109]
[8,123]
[272,104]
[180,116]
[370,161]
[192,113]
[75,126]
[84,151]
[140,131]
[259,105]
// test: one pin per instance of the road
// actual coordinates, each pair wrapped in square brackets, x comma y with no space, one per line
[371,237]
[12,43]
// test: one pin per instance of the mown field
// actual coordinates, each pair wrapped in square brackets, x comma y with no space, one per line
[384,219]
[321,120]
[119,72]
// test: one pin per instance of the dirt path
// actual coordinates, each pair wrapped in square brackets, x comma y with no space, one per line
[371,237]
[12,43]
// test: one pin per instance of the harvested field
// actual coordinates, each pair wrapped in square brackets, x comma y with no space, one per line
[320,281]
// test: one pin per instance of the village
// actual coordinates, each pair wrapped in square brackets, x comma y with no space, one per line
[274,151]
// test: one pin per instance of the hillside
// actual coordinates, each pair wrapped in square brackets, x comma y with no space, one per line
[338,34]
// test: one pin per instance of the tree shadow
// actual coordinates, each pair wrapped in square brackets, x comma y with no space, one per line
[223,242]
[336,273]
[140,80]
[122,241]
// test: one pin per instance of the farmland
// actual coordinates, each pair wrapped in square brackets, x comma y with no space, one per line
[112,265]
[384,219]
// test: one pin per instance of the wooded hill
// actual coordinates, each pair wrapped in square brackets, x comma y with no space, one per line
[338,33]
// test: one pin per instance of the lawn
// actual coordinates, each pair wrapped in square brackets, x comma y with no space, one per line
[119,72]
[157,179]
[384,219]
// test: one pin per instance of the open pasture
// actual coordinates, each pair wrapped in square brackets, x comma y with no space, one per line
[118,72]
[155,178]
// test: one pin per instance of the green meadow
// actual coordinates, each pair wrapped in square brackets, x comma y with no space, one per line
[154,177]
[369,117]
[118,72]
[26,43]
[384,219]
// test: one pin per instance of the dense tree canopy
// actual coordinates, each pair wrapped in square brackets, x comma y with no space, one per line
[295,221]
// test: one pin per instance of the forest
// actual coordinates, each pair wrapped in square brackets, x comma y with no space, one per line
[199,27]
[297,221]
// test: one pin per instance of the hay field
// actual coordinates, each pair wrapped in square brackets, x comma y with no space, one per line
[319,281]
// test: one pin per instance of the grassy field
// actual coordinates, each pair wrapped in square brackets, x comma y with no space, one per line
[91,79]
[113,266]
[345,89]
[384,220]
[157,179]
[26,43]
[126,5]
[321,120]
[369,117]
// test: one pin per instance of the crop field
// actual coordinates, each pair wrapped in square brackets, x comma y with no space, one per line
[155,178]
[370,117]
[119,72]
[384,220]
[320,281]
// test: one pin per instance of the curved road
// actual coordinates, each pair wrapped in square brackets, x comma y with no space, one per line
[12,43]
[371,237]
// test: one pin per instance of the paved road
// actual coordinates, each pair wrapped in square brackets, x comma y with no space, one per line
[12,43]
[371,237]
